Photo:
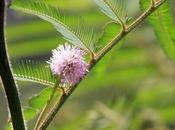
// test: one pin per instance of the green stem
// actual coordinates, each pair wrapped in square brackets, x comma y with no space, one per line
[105,50]
[7,78]
[128,29]
[44,110]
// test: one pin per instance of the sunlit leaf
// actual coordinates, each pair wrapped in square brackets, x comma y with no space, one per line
[77,36]
[29,70]
[110,31]
[29,113]
[163,25]
[115,9]
[38,101]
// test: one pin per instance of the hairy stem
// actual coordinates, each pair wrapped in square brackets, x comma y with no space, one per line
[129,28]
[105,50]
[7,78]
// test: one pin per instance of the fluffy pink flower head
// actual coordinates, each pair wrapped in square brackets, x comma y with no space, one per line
[68,64]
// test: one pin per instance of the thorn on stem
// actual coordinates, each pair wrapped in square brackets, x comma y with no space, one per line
[63,91]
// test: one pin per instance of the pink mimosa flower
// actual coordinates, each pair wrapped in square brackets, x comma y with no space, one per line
[67,63]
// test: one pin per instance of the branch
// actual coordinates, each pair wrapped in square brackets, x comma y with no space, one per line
[44,110]
[7,78]
[105,50]
[128,29]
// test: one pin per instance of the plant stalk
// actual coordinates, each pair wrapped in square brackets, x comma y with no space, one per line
[44,110]
[7,77]
[128,29]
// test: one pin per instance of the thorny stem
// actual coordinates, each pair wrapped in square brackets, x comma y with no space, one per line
[153,6]
[7,78]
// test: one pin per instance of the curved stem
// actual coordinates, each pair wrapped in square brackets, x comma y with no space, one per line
[7,78]
[106,49]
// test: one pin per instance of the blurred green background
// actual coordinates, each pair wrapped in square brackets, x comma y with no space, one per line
[132,89]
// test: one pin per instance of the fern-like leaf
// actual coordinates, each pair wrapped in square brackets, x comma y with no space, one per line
[163,25]
[81,37]
[28,70]
[115,9]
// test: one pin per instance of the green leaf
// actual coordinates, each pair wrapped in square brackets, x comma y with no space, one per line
[115,9]
[38,101]
[76,36]
[110,31]
[29,70]
[163,25]
[29,113]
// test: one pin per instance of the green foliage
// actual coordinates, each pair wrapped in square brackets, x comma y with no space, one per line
[29,113]
[37,102]
[29,70]
[110,31]
[163,25]
[77,36]
[135,65]
[115,9]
